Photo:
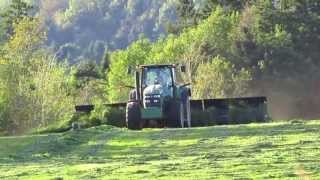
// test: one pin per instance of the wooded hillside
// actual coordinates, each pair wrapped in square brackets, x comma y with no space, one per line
[81,30]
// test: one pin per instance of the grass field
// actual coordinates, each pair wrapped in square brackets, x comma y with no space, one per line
[288,150]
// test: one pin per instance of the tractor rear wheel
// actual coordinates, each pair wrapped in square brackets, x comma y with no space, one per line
[174,114]
[133,116]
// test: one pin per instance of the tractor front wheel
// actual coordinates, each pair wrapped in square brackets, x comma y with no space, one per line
[133,116]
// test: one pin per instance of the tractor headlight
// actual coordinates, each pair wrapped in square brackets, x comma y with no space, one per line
[157,96]
[152,100]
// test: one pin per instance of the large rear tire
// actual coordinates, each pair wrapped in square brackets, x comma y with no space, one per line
[174,114]
[133,116]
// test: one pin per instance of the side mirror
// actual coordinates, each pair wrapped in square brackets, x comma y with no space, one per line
[183,68]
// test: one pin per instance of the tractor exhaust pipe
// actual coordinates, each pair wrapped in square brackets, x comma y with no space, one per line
[137,75]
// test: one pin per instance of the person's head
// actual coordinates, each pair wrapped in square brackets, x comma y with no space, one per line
[158,79]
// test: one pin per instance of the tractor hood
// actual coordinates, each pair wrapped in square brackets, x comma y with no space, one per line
[152,96]
[155,89]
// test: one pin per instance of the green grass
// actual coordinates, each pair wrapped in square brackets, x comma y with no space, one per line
[288,150]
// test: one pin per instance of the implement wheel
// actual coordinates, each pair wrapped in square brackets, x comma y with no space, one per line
[133,116]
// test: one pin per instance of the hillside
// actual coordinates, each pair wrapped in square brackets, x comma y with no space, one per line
[81,30]
[264,151]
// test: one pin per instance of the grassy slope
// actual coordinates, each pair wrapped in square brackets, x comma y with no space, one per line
[285,150]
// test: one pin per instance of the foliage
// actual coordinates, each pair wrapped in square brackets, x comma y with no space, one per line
[17,10]
[187,16]
[28,37]
[193,47]
[81,29]
[118,78]
[35,86]
[220,79]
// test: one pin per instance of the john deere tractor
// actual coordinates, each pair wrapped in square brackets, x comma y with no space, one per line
[158,99]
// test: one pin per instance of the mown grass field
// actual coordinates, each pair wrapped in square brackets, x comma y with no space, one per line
[288,150]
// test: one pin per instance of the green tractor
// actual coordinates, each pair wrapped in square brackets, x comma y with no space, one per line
[158,100]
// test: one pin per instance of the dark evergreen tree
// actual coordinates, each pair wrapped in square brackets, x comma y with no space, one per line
[15,12]
[187,17]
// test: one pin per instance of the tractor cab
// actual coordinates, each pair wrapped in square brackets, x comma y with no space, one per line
[157,83]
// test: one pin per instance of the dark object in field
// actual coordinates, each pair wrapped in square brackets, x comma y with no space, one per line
[84,108]
[206,112]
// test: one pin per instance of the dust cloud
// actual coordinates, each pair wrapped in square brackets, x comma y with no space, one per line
[290,99]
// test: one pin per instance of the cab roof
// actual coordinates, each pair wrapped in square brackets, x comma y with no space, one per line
[157,65]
